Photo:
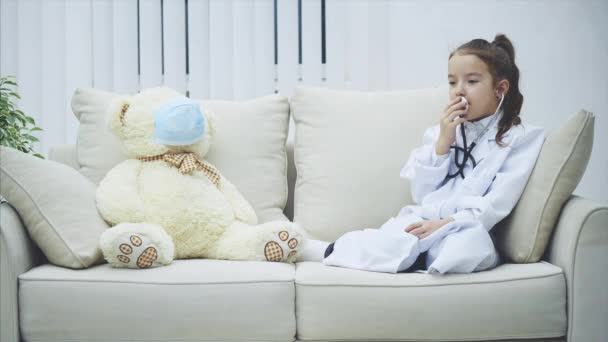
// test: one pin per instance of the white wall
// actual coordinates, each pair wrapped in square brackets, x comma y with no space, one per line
[54,46]
[561,49]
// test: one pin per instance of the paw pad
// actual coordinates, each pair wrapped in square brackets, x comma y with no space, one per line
[273,251]
[135,240]
[126,249]
[146,258]
[124,259]
[281,249]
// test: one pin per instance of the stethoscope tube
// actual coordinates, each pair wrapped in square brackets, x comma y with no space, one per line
[467,155]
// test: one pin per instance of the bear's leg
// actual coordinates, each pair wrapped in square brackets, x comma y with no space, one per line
[137,245]
[277,241]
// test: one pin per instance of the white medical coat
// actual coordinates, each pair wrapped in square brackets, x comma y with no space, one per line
[485,196]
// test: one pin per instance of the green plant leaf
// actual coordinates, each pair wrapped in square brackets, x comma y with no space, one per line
[16,126]
[22,122]
[31,138]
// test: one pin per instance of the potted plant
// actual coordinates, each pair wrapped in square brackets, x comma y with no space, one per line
[16,128]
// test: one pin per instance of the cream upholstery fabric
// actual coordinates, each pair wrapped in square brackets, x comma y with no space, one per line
[579,248]
[17,255]
[57,205]
[511,301]
[189,300]
[64,154]
[349,148]
[556,339]
[524,235]
[249,147]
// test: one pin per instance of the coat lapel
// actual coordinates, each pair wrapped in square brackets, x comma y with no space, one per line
[480,152]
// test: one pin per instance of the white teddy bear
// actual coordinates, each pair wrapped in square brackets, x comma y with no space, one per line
[167,202]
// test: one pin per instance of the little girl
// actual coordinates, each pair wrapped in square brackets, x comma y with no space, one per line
[466,177]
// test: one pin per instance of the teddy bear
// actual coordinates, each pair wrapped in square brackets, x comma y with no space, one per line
[167,202]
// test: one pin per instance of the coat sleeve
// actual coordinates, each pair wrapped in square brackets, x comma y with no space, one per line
[425,169]
[507,185]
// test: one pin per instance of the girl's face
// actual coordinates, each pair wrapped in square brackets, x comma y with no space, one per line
[470,77]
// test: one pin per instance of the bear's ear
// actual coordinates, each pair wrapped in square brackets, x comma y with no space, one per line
[117,114]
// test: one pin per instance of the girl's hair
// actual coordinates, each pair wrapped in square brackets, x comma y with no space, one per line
[499,56]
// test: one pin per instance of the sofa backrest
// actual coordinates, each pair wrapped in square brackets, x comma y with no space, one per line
[348,148]
[66,154]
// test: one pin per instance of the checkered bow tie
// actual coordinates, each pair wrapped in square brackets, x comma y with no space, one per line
[186,163]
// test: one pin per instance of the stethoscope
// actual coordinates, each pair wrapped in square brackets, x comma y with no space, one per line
[466,150]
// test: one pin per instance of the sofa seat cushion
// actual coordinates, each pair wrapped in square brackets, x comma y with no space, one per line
[510,302]
[189,300]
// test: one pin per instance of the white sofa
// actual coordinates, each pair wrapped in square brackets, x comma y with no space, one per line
[562,297]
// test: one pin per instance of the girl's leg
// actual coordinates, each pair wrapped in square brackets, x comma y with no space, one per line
[387,249]
[468,250]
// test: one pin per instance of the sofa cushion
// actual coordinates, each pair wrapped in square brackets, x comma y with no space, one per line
[523,236]
[57,206]
[349,148]
[189,300]
[249,146]
[510,302]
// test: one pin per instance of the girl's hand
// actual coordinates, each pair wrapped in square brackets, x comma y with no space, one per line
[447,125]
[425,228]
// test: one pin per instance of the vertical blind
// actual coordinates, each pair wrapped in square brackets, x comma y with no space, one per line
[220,49]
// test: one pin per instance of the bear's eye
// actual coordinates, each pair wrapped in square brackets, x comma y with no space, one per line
[123,111]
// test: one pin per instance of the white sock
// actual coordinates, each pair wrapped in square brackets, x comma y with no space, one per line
[314,250]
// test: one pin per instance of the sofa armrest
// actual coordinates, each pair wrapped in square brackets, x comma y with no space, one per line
[580,247]
[18,254]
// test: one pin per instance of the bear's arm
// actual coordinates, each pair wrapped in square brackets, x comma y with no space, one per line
[117,196]
[242,209]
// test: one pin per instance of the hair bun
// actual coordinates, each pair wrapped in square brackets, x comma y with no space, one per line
[501,41]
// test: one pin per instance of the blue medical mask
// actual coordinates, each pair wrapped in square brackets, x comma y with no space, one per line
[179,123]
